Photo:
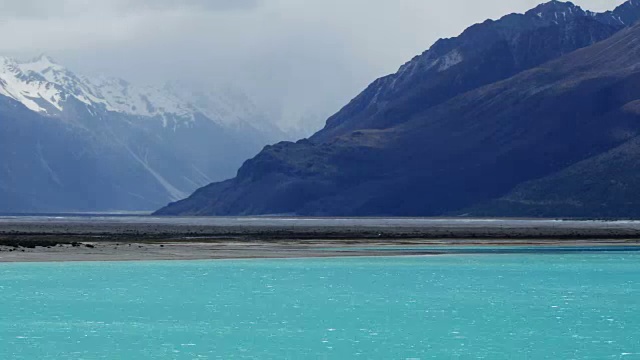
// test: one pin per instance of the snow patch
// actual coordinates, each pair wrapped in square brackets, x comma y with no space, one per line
[451,59]
[26,88]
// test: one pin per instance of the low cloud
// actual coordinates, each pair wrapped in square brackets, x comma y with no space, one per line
[199,5]
[43,9]
[301,58]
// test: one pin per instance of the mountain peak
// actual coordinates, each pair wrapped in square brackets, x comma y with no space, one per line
[44,58]
[40,64]
[556,10]
[629,4]
[627,13]
[555,5]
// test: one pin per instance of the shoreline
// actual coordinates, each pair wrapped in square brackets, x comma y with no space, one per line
[188,251]
[109,240]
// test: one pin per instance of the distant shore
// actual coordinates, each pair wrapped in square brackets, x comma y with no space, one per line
[45,241]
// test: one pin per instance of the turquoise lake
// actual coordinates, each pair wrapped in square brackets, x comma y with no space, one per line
[486,306]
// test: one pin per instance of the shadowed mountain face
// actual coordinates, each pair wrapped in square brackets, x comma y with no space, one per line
[82,162]
[466,127]
[482,54]
[603,186]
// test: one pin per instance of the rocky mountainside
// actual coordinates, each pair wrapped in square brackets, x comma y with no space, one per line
[70,143]
[482,54]
[468,127]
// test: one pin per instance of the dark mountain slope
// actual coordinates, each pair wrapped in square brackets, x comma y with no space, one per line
[473,148]
[481,55]
[627,13]
[605,186]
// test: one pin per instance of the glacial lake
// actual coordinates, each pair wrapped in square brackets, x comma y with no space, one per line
[580,305]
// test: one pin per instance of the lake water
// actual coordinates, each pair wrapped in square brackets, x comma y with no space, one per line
[485,306]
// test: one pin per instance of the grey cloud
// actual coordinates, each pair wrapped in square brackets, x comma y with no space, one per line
[304,58]
[31,8]
[206,5]
[72,8]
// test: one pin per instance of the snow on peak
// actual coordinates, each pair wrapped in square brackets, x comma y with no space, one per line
[29,87]
[44,86]
[121,96]
[41,64]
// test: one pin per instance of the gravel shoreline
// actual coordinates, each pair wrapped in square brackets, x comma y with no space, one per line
[34,241]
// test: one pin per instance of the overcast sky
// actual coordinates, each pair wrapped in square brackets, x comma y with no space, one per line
[304,57]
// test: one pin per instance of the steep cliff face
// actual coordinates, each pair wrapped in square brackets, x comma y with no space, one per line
[420,143]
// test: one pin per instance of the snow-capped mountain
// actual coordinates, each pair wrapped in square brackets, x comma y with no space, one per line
[131,147]
[44,86]
[226,105]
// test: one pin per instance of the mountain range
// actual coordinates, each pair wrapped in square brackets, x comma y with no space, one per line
[72,143]
[534,114]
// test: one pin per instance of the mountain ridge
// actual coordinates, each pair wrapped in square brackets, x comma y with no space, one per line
[71,143]
[429,146]
[434,76]
[43,86]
